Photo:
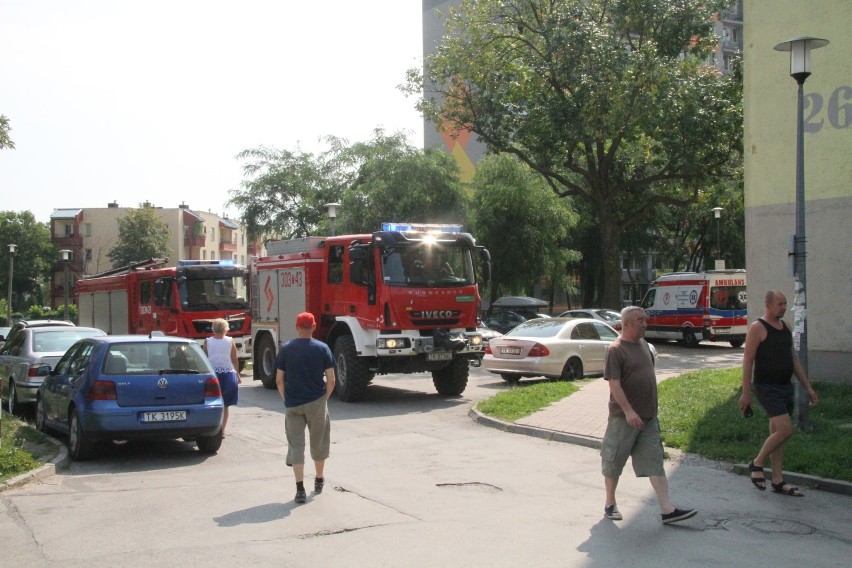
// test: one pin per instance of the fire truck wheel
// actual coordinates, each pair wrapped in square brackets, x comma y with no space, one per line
[689,339]
[265,357]
[452,379]
[352,374]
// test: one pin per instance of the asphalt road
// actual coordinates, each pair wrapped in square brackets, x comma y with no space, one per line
[412,481]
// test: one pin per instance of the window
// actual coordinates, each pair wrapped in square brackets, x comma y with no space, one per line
[69,230]
[335,264]
[145,292]
[88,254]
[88,229]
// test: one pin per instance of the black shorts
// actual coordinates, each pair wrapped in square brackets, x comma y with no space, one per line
[775,399]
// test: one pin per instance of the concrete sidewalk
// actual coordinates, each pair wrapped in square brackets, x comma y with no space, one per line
[582,417]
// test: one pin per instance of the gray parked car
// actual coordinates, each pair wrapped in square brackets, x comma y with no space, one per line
[28,348]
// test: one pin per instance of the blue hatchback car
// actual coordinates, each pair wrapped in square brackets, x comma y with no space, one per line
[132,387]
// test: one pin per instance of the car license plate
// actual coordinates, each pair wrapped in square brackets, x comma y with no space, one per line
[510,351]
[723,330]
[164,416]
[439,356]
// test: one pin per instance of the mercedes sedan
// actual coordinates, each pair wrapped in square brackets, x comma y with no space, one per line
[559,348]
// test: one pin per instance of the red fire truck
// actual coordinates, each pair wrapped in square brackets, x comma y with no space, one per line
[691,306]
[181,300]
[401,300]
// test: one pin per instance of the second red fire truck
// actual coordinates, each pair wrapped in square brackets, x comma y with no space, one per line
[181,300]
[401,300]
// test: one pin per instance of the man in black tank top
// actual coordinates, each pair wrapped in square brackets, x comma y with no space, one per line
[770,357]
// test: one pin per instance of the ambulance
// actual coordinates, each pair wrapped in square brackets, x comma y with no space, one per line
[698,306]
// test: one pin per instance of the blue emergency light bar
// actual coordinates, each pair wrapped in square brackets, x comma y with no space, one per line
[224,262]
[421,228]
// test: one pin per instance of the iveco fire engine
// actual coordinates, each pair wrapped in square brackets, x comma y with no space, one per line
[401,300]
[182,300]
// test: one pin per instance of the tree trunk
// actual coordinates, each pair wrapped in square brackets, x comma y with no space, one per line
[610,261]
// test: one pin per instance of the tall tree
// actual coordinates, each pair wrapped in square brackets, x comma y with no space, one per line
[141,235]
[5,139]
[383,179]
[523,223]
[33,260]
[611,101]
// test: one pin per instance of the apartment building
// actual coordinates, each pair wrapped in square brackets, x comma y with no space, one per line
[90,233]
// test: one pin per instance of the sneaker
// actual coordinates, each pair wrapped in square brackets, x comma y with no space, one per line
[613,513]
[678,515]
[300,496]
[318,485]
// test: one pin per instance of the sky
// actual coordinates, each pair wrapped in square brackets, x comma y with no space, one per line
[128,101]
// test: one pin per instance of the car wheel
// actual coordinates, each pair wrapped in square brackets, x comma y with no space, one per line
[209,444]
[79,444]
[737,343]
[689,339]
[573,370]
[510,378]
[40,416]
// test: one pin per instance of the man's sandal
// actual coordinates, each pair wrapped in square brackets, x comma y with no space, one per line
[790,490]
[759,482]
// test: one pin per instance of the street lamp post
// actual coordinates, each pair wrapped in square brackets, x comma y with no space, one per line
[66,256]
[12,249]
[717,212]
[332,214]
[800,69]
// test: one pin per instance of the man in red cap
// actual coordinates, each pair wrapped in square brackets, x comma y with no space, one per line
[305,379]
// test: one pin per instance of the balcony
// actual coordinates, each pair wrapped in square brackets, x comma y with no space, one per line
[68,241]
[195,241]
[730,45]
[227,246]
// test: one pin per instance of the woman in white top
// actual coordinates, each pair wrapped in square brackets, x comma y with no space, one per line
[222,354]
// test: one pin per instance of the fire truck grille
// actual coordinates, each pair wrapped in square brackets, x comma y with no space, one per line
[206,326]
[441,322]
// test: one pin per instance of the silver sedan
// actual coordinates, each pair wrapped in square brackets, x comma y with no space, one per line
[560,348]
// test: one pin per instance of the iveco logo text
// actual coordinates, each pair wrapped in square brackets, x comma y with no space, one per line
[436,314]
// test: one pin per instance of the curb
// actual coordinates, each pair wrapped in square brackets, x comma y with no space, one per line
[809,481]
[59,461]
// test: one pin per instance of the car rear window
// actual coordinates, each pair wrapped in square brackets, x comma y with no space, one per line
[547,327]
[154,357]
[59,340]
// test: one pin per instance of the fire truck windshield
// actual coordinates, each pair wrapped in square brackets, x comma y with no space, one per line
[208,294]
[427,265]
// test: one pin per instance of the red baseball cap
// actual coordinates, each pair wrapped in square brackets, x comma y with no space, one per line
[305,319]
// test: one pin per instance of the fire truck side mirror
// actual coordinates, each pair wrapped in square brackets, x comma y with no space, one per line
[485,256]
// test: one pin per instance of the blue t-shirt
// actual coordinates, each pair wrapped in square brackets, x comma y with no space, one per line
[304,362]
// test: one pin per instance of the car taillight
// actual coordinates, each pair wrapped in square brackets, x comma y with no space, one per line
[32,371]
[212,388]
[488,348]
[538,350]
[101,390]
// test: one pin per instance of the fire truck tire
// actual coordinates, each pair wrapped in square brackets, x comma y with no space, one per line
[452,379]
[353,375]
[265,358]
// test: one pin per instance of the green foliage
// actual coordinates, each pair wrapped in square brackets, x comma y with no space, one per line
[523,223]
[39,312]
[5,139]
[384,179]
[524,399]
[15,457]
[611,102]
[699,414]
[33,260]
[141,235]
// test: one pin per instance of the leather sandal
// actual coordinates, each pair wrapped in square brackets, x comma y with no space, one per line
[759,482]
[790,490]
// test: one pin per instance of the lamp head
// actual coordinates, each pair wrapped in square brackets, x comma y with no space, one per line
[66,255]
[717,211]
[800,54]
[332,209]
[12,248]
